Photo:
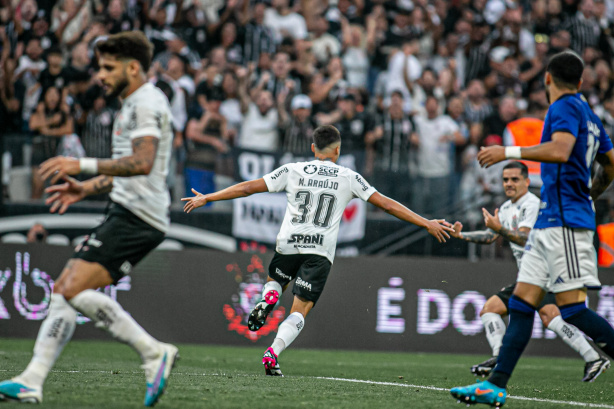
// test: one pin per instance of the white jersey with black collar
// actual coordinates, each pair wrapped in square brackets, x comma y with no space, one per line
[317,193]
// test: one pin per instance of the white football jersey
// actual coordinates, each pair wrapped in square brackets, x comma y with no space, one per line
[145,112]
[317,193]
[523,213]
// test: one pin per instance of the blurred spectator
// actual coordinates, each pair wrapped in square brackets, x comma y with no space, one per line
[260,117]
[206,141]
[117,19]
[98,128]
[234,51]
[404,68]
[427,85]
[50,122]
[37,234]
[284,22]
[436,136]
[391,143]
[296,128]
[231,107]
[257,38]
[355,58]
[495,124]
[477,108]
[583,27]
[353,125]
[281,79]
[53,75]
[324,45]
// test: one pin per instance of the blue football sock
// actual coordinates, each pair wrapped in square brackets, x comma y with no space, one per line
[515,340]
[592,324]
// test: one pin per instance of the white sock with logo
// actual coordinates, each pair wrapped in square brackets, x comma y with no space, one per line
[110,316]
[271,285]
[53,335]
[573,337]
[495,330]
[288,331]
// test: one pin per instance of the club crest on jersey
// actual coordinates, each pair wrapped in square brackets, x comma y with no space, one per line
[328,171]
[310,169]
[243,301]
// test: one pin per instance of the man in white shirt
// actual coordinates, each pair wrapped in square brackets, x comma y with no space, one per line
[136,180]
[436,136]
[284,22]
[514,221]
[317,192]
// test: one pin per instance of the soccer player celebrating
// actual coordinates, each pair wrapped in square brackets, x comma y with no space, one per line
[559,255]
[514,221]
[317,193]
[135,225]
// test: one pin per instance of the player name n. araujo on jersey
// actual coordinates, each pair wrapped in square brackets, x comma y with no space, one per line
[317,193]
[565,194]
[513,216]
[145,112]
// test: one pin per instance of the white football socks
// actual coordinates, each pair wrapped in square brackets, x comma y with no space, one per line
[495,330]
[288,331]
[109,315]
[574,338]
[54,333]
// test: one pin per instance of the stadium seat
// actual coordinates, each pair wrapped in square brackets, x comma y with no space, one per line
[14,238]
[169,244]
[58,240]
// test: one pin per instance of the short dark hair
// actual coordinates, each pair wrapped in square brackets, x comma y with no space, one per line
[128,45]
[325,135]
[524,171]
[566,69]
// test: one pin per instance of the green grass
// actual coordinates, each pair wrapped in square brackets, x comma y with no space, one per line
[107,375]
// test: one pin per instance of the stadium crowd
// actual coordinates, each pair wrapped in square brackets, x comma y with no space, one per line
[415,87]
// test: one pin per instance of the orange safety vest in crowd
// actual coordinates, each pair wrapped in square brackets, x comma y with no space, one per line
[527,132]
[606,245]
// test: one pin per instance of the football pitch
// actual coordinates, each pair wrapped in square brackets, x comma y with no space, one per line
[92,374]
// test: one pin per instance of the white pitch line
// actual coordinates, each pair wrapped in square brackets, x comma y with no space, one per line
[435,388]
[405,385]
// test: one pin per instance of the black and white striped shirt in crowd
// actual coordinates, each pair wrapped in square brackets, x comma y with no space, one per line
[297,137]
[258,39]
[276,85]
[584,32]
[476,114]
[97,133]
[392,150]
[477,62]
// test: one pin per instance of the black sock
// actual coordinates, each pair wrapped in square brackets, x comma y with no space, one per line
[592,324]
[515,340]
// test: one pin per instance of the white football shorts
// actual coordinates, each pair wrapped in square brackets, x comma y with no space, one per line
[560,259]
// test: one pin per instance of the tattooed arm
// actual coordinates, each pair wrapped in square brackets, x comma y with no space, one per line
[63,195]
[519,236]
[479,237]
[604,175]
[139,163]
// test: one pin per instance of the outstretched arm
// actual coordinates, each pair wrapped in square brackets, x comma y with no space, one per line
[479,237]
[438,228]
[242,189]
[139,163]
[604,175]
[555,151]
[72,191]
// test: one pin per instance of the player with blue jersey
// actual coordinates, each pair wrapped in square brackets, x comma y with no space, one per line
[559,255]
